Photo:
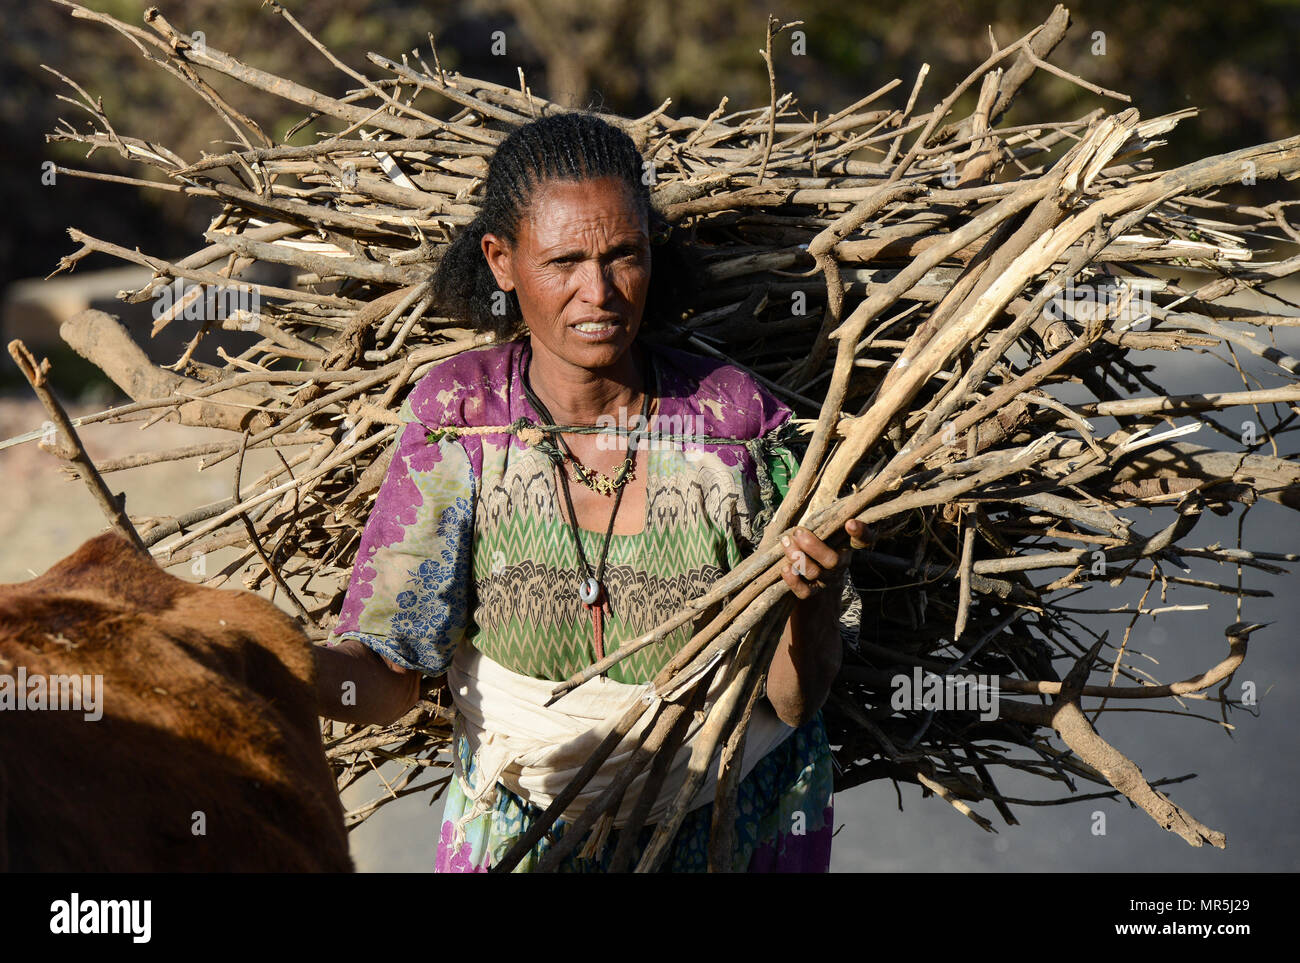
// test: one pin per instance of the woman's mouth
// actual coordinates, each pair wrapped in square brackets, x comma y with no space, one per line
[597,330]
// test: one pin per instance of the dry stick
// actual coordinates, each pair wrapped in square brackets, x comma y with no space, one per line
[201,259]
[322,265]
[806,131]
[165,59]
[998,252]
[1279,157]
[941,110]
[670,714]
[944,793]
[1007,274]
[95,109]
[120,179]
[335,145]
[205,55]
[160,531]
[309,215]
[977,272]
[371,378]
[1017,75]
[774,26]
[257,544]
[1267,352]
[612,797]
[103,341]
[762,568]
[851,330]
[665,754]
[497,93]
[903,461]
[411,77]
[822,249]
[833,518]
[414,292]
[1158,543]
[542,824]
[743,673]
[239,122]
[334,461]
[896,137]
[1273,479]
[1074,78]
[722,829]
[989,787]
[1189,686]
[93,244]
[967,561]
[1066,717]
[998,345]
[175,524]
[389,101]
[384,354]
[191,451]
[830,520]
[1188,404]
[73,450]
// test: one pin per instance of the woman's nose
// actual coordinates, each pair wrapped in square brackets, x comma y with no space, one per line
[594,282]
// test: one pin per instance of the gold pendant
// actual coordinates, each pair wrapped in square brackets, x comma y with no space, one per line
[601,483]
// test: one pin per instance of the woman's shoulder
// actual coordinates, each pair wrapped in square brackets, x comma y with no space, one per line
[469,388]
[725,400]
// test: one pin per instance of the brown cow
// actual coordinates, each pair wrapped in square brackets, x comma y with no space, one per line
[208,754]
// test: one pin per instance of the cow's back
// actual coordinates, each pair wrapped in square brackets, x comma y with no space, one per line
[209,723]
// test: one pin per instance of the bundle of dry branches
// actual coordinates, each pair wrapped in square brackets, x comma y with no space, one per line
[912,284]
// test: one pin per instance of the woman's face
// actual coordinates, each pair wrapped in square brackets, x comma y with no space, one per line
[580,268]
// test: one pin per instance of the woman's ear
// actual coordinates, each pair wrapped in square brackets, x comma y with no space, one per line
[497,254]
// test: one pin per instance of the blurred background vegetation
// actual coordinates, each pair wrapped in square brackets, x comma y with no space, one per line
[1236,62]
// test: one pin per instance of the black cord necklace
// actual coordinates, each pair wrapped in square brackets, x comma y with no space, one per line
[592,592]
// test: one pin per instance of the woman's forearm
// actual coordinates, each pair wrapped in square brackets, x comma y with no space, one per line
[806,660]
[809,655]
[355,684]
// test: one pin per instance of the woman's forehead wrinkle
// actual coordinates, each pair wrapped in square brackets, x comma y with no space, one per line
[563,214]
[558,232]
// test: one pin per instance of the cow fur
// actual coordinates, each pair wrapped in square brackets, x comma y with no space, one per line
[209,707]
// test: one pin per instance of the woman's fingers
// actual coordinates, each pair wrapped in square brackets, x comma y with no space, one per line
[811,559]
[804,566]
[802,540]
[860,534]
[798,586]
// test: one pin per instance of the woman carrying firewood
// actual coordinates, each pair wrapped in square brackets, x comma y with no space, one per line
[563,491]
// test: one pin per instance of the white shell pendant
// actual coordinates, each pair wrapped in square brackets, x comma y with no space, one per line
[589,591]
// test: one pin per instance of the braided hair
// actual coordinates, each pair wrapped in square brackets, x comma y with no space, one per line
[572,146]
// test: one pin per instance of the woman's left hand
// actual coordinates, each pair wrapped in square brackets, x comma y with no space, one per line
[812,565]
[809,655]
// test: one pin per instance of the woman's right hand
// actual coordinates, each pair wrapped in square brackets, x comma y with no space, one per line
[355,684]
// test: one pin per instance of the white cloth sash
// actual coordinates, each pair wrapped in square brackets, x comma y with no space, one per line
[536,750]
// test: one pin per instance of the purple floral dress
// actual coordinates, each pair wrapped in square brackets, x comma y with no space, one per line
[468,544]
